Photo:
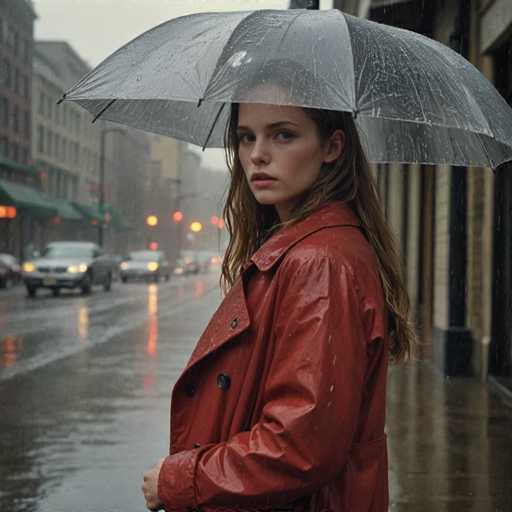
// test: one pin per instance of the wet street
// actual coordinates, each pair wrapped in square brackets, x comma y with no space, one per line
[84,406]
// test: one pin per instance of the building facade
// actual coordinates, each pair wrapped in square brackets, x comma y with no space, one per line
[16,48]
[454,224]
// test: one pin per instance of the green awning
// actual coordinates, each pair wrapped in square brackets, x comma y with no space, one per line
[26,198]
[66,210]
[11,164]
[90,211]
[116,218]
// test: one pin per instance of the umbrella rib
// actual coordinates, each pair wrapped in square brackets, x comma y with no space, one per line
[102,111]
[213,125]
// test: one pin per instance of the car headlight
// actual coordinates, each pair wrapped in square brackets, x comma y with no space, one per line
[152,266]
[124,265]
[29,267]
[77,269]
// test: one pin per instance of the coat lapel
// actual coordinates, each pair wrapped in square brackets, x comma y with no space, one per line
[232,316]
[230,320]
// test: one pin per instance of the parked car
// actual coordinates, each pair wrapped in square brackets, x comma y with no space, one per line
[208,260]
[147,265]
[11,273]
[188,263]
[71,265]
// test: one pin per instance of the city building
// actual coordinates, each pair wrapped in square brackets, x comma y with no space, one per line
[454,224]
[16,48]
[22,211]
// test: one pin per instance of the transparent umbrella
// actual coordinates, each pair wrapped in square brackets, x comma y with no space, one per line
[412,98]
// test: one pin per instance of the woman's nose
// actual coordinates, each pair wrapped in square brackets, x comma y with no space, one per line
[259,153]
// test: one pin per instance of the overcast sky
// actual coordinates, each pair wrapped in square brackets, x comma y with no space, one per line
[96,28]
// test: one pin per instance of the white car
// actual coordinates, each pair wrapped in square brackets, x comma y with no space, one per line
[71,265]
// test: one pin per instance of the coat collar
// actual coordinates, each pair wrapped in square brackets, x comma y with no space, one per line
[335,213]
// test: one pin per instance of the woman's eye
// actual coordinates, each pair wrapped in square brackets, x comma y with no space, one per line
[245,137]
[285,136]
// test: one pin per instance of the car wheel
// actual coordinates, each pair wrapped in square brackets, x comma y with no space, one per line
[124,279]
[31,291]
[167,277]
[55,292]
[107,285]
[85,287]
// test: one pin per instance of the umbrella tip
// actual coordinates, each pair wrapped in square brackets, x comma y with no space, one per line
[199,102]
[62,98]
[355,113]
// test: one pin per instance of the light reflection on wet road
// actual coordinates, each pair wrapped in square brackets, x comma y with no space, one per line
[77,432]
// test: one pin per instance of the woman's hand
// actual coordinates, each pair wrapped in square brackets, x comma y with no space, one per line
[150,487]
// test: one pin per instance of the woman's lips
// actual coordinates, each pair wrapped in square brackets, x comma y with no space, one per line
[263,183]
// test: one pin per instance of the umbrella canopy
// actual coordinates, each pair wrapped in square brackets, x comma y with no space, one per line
[412,98]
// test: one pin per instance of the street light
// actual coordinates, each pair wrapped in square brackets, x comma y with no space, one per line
[152,221]
[196,226]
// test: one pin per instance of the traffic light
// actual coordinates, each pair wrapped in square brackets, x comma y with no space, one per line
[153,246]
[195,227]
[177,216]
[151,220]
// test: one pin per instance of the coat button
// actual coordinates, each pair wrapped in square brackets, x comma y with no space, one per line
[190,389]
[223,381]
[234,323]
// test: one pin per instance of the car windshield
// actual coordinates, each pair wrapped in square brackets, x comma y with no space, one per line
[7,258]
[70,251]
[143,255]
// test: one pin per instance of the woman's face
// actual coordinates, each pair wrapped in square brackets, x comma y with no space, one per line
[282,143]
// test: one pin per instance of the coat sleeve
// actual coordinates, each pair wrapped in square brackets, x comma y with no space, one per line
[311,400]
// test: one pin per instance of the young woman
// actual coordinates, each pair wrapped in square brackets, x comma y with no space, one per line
[282,404]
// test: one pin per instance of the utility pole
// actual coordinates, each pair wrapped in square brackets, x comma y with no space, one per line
[101,201]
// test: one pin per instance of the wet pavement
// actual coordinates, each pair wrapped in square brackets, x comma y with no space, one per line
[84,406]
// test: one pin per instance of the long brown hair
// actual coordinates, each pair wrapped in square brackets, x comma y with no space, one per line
[348,179]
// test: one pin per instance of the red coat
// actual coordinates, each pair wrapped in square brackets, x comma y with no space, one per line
[282,404]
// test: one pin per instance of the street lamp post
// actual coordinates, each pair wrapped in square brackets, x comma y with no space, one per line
[101,202]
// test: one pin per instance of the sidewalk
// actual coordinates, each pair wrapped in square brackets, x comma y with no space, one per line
[450,443]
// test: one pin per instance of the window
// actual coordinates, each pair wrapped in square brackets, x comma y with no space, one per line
[7,73]
[49,143]
[57,146]
[17,82]
[40,139]
[26,86]
[15,119]
[15,152]
[4,146]
[26,125]
[16,42]
[24,156]
[49,107]
[42,101]
[64,150]
[4,111]
[26,50]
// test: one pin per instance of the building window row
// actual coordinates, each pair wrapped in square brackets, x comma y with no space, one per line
[14,79]
[14,151]
[56,146]
[13,40]
[14,117]
[63,115]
